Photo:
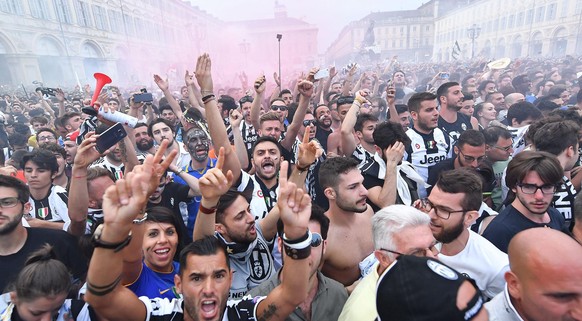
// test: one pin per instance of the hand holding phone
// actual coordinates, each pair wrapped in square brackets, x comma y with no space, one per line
[110,137]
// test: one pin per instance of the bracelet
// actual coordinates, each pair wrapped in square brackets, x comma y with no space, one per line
[102,290]
[298,243]
[209,100]
[205,210]
[180,172]
[207,97]
[116,247]
[139,221]
[301,170]
[298,251]
[206,92]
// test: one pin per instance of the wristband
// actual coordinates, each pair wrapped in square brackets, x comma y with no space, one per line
[299,243]
[209,100]
[116,247]
[302,169]
[298,251]
[205,210]
[208,97]
[141,220]
[102,290]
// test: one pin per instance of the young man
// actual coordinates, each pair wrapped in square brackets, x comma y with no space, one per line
[48,201]
[499,147]
[144,143]
[451,121]
[326,296]
[18,242]
[532,178]
[61,179]
[397,230]
[429,144]
[350,216]
[545,281]
[453,206]
[205,275]
[323,119]
[561,139]
[161,129]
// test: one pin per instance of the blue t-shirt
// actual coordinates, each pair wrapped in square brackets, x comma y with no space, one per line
[155,284]
[195,202]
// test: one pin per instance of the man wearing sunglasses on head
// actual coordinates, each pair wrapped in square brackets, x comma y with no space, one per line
[499,147]
[532,178]
[327,296]
[453,206]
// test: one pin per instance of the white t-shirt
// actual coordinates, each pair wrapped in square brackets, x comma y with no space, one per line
[481,261]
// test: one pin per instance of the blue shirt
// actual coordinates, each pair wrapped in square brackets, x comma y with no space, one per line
[195,202]
[155,284]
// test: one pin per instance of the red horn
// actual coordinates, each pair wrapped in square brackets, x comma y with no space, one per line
[102,80]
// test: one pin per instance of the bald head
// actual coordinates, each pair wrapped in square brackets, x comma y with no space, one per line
[514,98]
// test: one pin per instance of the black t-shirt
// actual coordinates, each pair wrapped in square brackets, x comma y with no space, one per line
[64,245]
[172,195]
[321,135]
[454,130]
[510,222]
[435,170]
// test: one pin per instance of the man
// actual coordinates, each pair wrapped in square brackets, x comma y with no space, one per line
[144,143]
[396,229]
[532,178]
[61,179]
[205,276]
[498,150]
[350,219]
[399,81]
[46,135]
[326,297]
[543,89]
[514,98]
[451,121]
[388,178]
[48,201]
[161,129]
[422,288]
[334,141]
[362,127]
[522,84]
[469,152]
[519,117]
[498,101]
[248,132]
[429,144]
[561,139]
[18,242]
[453,206]
[545,281]
[71,121]
[323,119]
[403,116]
[485,87]
[286,96]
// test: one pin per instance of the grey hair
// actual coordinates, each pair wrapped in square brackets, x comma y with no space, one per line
[391,220]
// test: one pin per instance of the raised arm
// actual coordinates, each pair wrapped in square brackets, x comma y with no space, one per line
[165,87]
[215,123]
[239,145]
[60,95]
[194,96]
[390,102]
[260,85]
[213,185]
[306,89]
[295,209]
[329,80]
[348,142]
[386,194]
[121,205]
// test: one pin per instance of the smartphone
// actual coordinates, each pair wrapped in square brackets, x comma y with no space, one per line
[143,98]
[445,75]
[110,137]
[322,73]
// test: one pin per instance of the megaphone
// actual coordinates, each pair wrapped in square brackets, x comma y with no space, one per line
[118,117]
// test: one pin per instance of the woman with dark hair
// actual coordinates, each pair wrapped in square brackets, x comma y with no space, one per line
[150,261]
[40,292]
[485,114]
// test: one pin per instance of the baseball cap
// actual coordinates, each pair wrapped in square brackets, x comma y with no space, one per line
[423,289]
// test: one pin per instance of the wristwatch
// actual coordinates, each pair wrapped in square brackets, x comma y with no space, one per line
[116,247]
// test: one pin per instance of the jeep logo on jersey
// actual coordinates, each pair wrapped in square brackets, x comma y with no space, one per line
[260,263]
[432,159]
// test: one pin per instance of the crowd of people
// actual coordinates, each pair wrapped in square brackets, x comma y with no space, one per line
[387,192]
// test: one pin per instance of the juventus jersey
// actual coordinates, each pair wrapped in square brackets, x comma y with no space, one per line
[116,170]
[425,151]
[262,199]
[52,208]
[454,130]
[563,199]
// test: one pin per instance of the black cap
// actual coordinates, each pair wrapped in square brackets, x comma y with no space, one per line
[423,289]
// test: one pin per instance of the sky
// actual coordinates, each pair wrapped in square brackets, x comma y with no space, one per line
[329,16]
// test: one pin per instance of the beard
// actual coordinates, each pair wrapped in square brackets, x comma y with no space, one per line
[11,225]
[350,207]
[448,235]
[144,145]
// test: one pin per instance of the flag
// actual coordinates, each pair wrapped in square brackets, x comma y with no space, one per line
[456,50]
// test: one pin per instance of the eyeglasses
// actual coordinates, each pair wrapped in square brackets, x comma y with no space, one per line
[471,159]
[316,239]
[532,188]
[9,202]
[47,138]
[309,122]
[246,99]
[427,206]
[280,108]
[429,251]
[505,149]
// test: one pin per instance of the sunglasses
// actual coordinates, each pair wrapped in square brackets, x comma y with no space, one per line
[345,100]
[316,239]
[309,122]
[280,108]
[246,99]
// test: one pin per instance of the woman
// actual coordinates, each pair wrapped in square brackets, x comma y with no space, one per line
[40,292]
[485,113]
[149,265]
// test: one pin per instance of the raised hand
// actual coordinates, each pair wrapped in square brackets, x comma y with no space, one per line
[332,72]
[8,170]
[277,79]
[123,201]
[260,84]
[305,87]
[394,153]
[60,95]
[311,74]
[352,71]
[204,73]
[294,205]
[189,79]
[162,84]
[86,153]
[390,94]
[215,183]
[235,117]
[309,151]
